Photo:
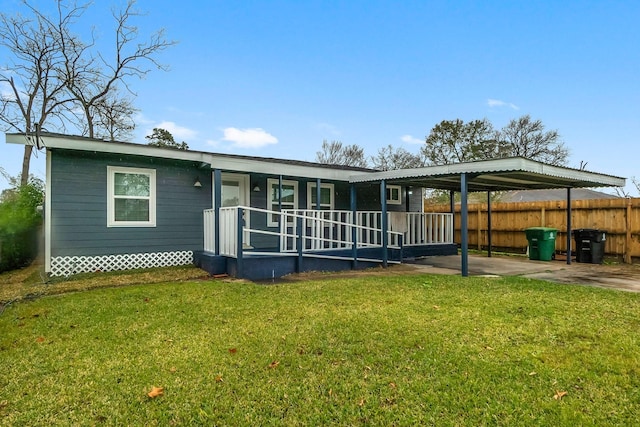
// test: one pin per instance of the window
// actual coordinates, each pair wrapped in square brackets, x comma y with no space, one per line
[326,196]
[289,199]
[394,194]
[131,197]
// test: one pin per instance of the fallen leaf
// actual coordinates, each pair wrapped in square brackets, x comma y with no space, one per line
[486,347]
[330,392]
[146,300]
[40,339]
[173,369]
[392,385]
[233,350]
[273,364]
[532,373]
[361,402]
[218,378]
[155,392]
[436,307]
[559,395]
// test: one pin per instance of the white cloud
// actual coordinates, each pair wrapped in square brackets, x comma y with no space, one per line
[249,138]
[328,128]
[410,139]
[179,133]
[498,103]
[6,92]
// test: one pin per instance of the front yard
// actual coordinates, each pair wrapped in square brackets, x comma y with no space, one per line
[370,350]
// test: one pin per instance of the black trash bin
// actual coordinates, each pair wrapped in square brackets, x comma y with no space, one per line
[589,245]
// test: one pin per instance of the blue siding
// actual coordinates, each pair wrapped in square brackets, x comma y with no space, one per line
[79,206]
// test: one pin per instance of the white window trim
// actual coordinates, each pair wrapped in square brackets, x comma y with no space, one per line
[391,201]
[273,205]
[111,222]
[311,188]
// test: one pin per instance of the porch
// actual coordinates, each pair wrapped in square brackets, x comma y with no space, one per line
[317,240]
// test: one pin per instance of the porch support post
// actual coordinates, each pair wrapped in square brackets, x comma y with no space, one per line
[354,231]
[568,225]
[240,232]
[280,196]
[407,201]
[489,223]
[217,202]
[464,226]
[318,193]
[299,244]
[383,220]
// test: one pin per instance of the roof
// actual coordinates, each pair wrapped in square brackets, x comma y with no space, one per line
[514,173]
[226,162]
[552,194]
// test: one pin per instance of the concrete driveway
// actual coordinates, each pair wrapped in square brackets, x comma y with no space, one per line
[620,276]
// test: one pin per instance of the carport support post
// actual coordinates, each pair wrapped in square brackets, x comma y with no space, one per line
[383,220]
[318,193]
[489,224]
[354,231]
[217,202]
[569,226]
[464,226]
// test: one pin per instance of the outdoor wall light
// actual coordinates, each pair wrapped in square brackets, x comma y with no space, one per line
[197,183]
[256,188]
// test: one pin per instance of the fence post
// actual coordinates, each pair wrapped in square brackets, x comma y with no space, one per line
[479,231]
[627,244]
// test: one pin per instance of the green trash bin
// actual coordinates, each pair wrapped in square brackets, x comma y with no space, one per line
[542,242]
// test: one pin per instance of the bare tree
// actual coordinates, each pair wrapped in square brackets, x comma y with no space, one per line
[336,153]
[55,80]
[114,118]
[527,138]
[390,158]
[35,94]
[93,79]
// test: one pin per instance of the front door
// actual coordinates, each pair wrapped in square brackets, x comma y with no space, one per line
[235,192]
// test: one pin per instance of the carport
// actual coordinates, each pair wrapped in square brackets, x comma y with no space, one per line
[514,173]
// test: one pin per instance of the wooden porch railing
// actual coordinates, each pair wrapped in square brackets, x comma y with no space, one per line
[326,230]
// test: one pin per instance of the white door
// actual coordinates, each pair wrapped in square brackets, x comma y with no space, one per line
[235,192]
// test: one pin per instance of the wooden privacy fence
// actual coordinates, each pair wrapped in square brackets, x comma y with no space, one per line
[619,218]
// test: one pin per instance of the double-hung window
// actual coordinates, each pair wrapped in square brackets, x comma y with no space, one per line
[131,197]
[394,194]
[288,199]
[326,196]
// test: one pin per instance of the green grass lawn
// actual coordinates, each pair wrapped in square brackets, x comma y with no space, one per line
[403,350]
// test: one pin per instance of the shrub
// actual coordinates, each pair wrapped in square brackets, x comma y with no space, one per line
[19,224]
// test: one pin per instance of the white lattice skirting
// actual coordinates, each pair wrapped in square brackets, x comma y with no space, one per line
[67,265]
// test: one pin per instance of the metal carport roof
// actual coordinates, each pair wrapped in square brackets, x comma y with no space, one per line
[514,173]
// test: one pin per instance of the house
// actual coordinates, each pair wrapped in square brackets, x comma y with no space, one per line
[112,206]
[116,205]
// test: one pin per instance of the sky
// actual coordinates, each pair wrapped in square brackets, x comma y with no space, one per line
[276,78]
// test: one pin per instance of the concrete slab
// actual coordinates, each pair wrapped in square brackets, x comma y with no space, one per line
[620,276]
